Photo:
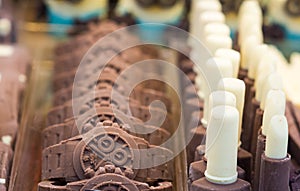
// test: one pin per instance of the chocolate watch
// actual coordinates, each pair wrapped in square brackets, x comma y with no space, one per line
[108,177]
[82,156]
[89,120]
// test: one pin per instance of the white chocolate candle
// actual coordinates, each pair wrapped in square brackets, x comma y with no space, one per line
[273,82]
[206,18]
[216,28]
[214,42]
[218,98]
[222,148]
[237,87]
[256,55]
[247,6]
[267,65]
[247,45]
[216,69]
[232,55]
[251,27]
[277,138]
[200,7]
[197,9]
[275,105]
[250,14]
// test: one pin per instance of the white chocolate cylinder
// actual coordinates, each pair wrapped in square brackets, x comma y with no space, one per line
[217,29]
[214,42]
[267,65]
[217,68]
[273,82]
[222,149]
[256,55]
[275,105]
[232,55]
[237,87]
[247,45]
[251,28]
[218,98]
[277,138]
[206,18]
[200,7]
[248,5]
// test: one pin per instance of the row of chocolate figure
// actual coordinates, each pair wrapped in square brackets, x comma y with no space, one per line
[242,137]
[92,141]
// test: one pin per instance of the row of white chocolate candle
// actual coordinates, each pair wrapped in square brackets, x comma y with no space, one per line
[224,94]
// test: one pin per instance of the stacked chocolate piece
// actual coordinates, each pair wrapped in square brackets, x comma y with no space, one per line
[92,140]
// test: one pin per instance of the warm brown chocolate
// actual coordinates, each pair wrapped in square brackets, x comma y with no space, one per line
[76,159]
[198,168]
[261,143]
[204,185]
[243,73]
[244,160]
[256,126]
[293,118]
[248,116]
[274,174]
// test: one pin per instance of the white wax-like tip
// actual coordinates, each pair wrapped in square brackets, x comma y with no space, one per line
[250,27]
[210,17]
[265,68]
[232,55]
[206,18]
[249,5]
[247,45]
[256,55]
[200,7]
[237,87]
[218,98]
[275,105]
[217,68]
[216,28]
[273,82]
[277,138]
[214,42]
[221,148]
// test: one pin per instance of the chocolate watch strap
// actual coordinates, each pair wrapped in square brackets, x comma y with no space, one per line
[55,133]
[112,180]
[81,156]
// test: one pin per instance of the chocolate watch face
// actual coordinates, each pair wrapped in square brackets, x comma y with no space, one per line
[105,146]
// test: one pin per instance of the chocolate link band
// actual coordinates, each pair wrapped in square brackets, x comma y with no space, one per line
[103,182]
[63,161]
[59,132]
